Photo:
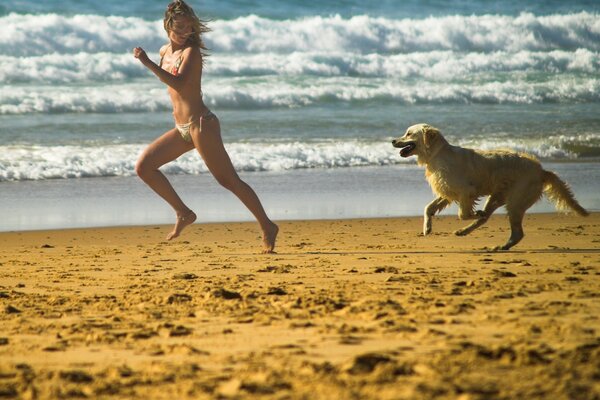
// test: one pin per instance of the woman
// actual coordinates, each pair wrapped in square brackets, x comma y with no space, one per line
[180,68]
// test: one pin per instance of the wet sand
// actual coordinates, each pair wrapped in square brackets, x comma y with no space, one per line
[363,309]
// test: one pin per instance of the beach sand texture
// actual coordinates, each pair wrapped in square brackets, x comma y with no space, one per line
[348,309]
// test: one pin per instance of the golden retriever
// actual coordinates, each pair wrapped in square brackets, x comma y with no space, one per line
[461,175]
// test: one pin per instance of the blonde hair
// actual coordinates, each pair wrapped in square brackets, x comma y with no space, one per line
[179,8]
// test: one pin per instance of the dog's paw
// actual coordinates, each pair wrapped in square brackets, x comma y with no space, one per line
[498,249]
[461,232]
[427,227]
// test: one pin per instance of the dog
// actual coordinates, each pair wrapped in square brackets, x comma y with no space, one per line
[461,175]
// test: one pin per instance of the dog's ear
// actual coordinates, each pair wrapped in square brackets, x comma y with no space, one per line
[431,136]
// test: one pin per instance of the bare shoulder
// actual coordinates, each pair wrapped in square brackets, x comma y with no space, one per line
[192,53]
[192,58]
[163,50]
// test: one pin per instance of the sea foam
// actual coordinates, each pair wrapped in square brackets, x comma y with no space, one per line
[436,65]
[280,92]
[29,35]
[35,162]
[83,63]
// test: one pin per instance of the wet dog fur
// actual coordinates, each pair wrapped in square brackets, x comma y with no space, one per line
[462,175]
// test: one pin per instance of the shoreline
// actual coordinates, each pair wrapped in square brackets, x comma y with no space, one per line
[355,307]
[443,226]
[313,194]
[449,220]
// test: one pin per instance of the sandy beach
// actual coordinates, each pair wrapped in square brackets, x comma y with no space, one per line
[356,304]
[347,309]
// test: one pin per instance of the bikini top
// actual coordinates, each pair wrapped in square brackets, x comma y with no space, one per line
[176,65]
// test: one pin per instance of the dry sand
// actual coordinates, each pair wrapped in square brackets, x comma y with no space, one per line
[347,309]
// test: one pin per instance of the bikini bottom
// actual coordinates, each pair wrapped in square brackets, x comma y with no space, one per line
[184,129]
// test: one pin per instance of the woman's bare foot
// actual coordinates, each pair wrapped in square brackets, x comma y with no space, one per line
[269,237]
[182,222]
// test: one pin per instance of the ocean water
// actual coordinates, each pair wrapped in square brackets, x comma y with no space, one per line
[309,95]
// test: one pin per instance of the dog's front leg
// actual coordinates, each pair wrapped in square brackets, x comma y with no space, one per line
[438,204]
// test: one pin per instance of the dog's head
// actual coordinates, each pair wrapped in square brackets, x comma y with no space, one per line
[420,140]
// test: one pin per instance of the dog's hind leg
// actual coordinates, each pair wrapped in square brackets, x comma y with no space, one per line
[437,205]
[491,205]
[516,229]
[518,202]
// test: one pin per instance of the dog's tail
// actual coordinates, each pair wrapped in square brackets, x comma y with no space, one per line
[560,194]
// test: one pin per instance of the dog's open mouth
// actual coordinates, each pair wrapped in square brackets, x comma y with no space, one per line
[407,149]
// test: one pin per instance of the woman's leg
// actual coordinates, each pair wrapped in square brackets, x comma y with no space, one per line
[209,144]
[166,148]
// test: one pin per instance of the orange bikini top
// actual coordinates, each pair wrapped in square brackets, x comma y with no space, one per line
[175,68]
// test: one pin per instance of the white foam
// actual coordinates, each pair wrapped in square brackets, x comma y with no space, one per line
[281,92]
[53,162]
[60,162]
[436,65]
[367,35]
[439,65]
[26,35]
[70,68]
[80,99]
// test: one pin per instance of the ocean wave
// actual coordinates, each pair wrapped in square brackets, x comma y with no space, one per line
[436,65]
[83,99]
[29,35]
[34,162]
[368,35]
[277,92]
[70,68]
[63,162]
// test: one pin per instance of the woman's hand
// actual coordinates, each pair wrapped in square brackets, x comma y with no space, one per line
[140,54]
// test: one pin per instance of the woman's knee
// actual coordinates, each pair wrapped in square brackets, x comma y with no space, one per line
[143,167]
